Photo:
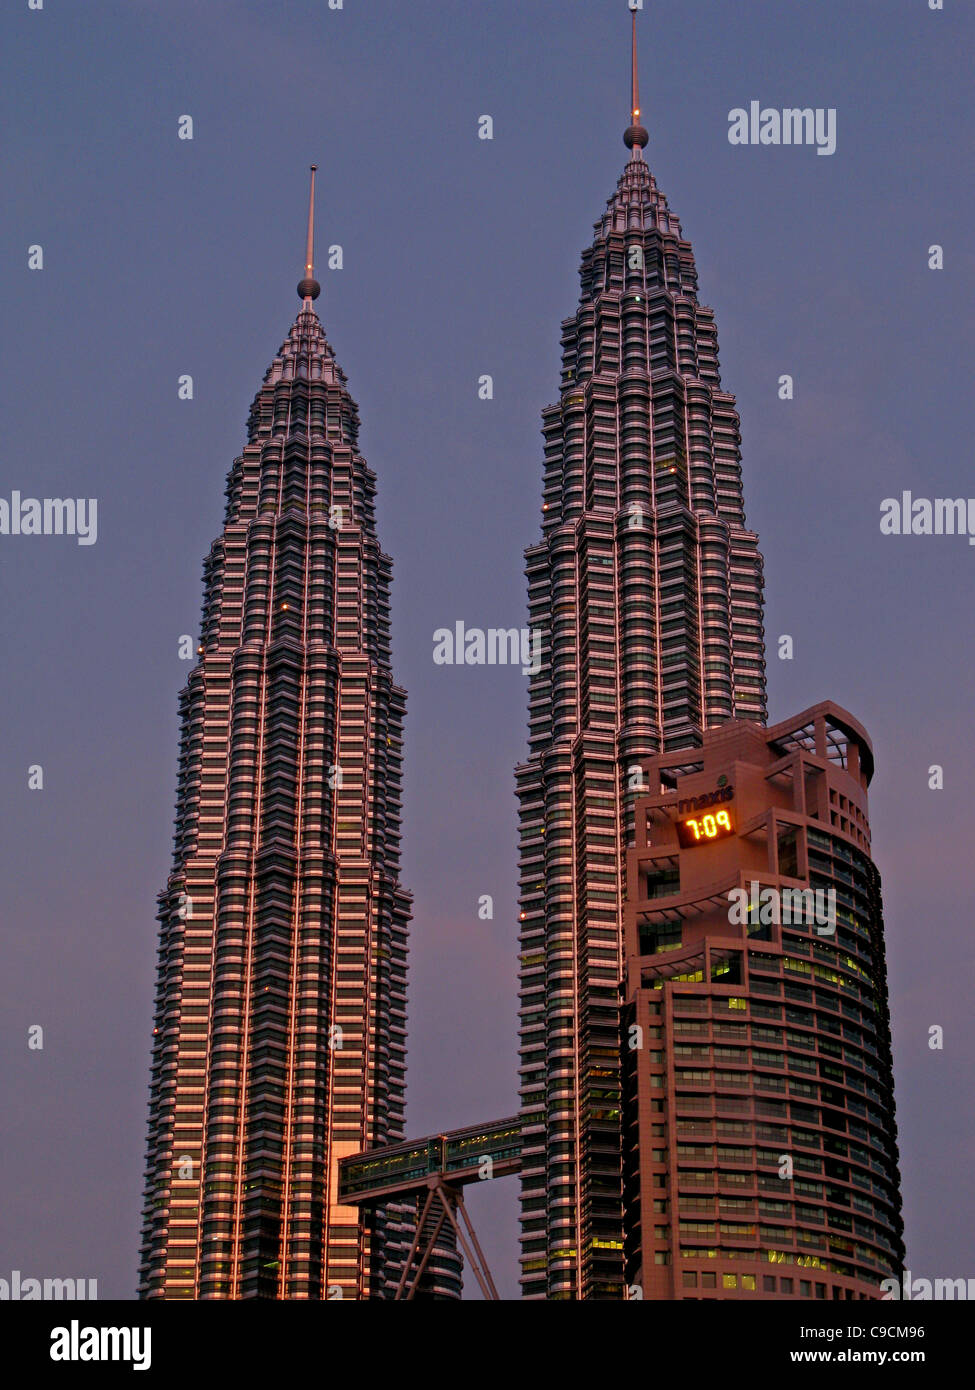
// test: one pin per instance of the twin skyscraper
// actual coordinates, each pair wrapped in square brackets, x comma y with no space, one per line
[706,1101]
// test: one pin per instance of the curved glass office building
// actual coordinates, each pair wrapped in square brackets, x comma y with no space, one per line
[760,1155]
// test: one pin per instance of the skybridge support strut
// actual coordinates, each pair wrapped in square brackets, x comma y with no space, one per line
[448,1202]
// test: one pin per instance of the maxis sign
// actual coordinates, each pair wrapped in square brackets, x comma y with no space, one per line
[702,819]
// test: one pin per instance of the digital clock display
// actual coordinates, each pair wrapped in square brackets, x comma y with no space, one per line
[704,827]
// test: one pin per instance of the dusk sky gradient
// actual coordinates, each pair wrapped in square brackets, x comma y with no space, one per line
[164,257]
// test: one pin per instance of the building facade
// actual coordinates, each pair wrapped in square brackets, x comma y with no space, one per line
[647,590]
[280,1037]
[646,586]
[760,1155]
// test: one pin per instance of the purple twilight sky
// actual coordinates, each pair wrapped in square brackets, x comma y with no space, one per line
[165,256]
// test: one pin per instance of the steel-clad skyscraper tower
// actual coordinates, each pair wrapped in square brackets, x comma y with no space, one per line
[280,1038]
[647,588]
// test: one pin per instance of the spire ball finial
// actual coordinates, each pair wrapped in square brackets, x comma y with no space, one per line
[309,288]
[635,134]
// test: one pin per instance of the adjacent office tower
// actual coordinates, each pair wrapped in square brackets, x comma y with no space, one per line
[647,588]
[759,1155]
[279,1043]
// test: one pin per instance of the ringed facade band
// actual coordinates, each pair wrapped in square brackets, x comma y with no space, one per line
[706,1090]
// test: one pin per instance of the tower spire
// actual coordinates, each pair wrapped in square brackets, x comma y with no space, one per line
[309,288]
[635,136]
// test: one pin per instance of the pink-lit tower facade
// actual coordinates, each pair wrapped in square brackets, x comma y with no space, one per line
[280,1037]
[647,589]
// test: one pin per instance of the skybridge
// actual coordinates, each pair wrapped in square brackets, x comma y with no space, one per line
[437,1168]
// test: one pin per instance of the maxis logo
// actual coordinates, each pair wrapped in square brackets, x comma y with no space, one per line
[76,1343]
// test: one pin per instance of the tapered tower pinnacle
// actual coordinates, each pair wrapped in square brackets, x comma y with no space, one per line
[635,137]
[309,288]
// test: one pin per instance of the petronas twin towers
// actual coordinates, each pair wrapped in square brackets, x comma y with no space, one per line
[649,590]
[279,1046]
[280,1038]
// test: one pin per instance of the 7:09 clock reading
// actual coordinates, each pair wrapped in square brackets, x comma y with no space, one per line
[702,829]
